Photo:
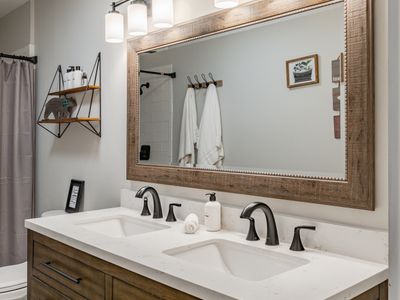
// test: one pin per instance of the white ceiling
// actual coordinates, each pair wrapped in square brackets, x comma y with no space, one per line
[7,6]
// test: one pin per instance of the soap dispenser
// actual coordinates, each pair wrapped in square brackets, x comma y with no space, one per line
[212,214]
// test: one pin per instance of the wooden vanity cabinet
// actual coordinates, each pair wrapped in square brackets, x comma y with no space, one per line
[58,272]
[379,292]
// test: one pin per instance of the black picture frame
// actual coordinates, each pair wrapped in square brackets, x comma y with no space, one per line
[75,195]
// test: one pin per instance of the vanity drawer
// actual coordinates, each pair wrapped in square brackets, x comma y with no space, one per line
[146,290]
[41,291]
[81,278]
[379,292]
[123,291]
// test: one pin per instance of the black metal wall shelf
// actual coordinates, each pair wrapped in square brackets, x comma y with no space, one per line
[93,124]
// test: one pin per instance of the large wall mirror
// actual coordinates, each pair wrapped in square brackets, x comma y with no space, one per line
[272,98]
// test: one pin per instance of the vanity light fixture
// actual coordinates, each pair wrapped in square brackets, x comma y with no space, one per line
[163,13]
[163,17]
[114,27]
[226,3]
[137,18]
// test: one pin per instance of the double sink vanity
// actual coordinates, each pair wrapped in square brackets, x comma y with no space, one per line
[283,138]
[118,254]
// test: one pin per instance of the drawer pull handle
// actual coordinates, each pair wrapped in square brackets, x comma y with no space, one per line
[65,275]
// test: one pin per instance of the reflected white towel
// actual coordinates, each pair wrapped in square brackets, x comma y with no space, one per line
[210,147]
[191,224]
[189,131]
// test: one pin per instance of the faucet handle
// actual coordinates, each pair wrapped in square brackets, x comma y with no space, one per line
[145,210]
[297,245]
[252,234]
[171,215]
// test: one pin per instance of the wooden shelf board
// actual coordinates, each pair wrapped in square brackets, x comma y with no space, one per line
[70,120]
[75,90]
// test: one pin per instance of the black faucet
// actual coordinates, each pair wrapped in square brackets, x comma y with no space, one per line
[171,216]
[297,245]
[272,232]
[157,213]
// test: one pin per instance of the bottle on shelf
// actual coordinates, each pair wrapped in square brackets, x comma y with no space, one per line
[72,77]
[67,78]
[77,81]
[84,79]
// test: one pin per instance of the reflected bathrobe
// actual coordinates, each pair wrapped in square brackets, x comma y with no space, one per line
[210,147]
[189,131]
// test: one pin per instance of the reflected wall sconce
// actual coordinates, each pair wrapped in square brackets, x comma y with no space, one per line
[162,15]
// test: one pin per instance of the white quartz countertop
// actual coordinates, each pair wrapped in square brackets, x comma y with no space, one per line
[325,276]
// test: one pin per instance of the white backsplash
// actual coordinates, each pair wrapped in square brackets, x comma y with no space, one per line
[362,243]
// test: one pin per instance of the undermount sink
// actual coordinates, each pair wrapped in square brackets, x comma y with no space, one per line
[243,261]
[121,226]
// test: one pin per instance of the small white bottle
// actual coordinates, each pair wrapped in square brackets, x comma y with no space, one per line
[78,77]
[70,78]
[212,214]
[84,79]
[67,79]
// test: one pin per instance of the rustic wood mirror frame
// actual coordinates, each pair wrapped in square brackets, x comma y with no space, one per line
[357,191]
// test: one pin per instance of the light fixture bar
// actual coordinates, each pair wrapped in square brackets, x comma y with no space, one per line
[163,17]
[114,5]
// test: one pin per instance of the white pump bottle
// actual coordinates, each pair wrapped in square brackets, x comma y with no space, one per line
[212,214]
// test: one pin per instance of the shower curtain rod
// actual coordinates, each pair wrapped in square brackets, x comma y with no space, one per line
[33,59]
[172,75]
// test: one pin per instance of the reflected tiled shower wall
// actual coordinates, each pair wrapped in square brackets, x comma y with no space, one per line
[156,115]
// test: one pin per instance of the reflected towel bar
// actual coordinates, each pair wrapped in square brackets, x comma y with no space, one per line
[172,75]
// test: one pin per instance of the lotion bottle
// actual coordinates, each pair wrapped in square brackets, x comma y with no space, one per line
[84,79]
[67,79]
[78,77]
[70,77]
[212,214]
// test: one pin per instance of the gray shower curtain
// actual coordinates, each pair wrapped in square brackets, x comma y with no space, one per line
[17,148]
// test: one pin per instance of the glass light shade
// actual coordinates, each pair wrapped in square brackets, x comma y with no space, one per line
[137,18]
[226,3]
[163,13]
[114,27]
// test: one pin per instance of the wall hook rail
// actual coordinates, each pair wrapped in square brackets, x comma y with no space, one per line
[206,83]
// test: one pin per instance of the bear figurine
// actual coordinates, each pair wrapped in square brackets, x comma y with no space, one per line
[61,108]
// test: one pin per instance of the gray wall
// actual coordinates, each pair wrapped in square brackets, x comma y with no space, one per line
[102,163]
[72,33]
[15,30]
[267,126]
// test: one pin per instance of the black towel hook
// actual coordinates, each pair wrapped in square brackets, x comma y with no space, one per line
[205,79]
[212,78]
[190,81]
[197,79]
